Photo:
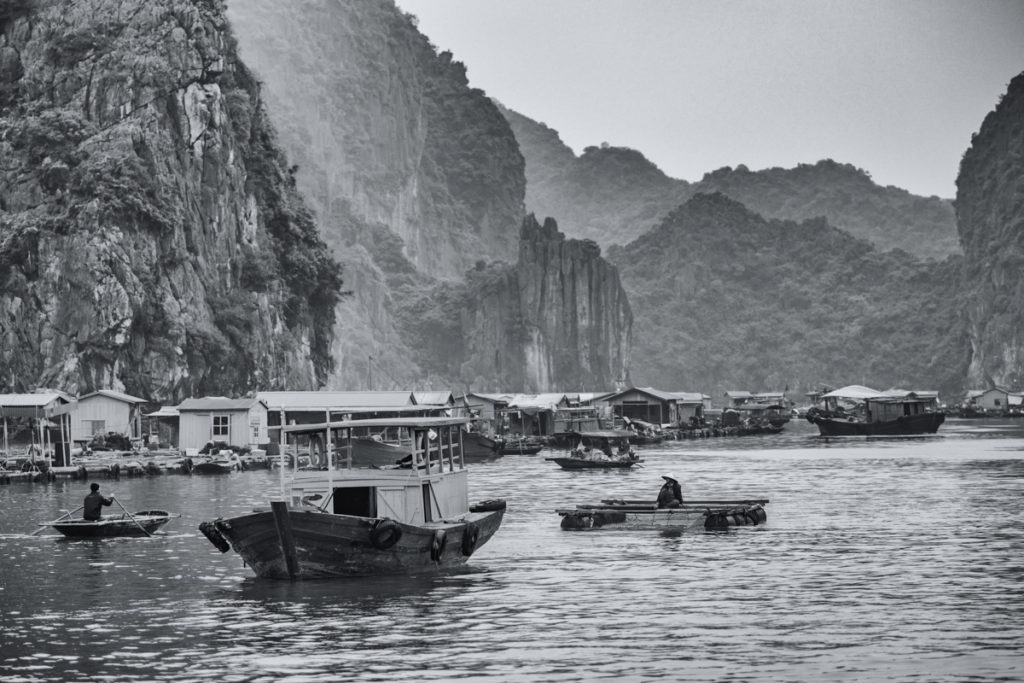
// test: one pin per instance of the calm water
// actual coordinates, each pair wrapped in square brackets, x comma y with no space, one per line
[900,560]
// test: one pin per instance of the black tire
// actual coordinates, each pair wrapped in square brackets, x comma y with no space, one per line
[437,545]
[470,536]
[385,533]
[488,505]
[214,536]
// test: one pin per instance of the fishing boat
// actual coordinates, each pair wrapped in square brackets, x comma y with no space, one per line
[353,521]
[875,413]
[479,447]
[695,515]
[522,445]
[601,449]
[133,524]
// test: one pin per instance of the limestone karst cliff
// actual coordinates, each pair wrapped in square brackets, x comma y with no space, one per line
[558,318]
[151,235]
[392,145]
[990,218]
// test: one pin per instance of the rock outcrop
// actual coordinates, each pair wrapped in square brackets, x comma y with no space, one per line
[558,318]
[151,236]
[990,218]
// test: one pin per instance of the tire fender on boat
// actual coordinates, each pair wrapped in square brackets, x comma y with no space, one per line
[437,545]
[470,536]
[385,533]
[186,466]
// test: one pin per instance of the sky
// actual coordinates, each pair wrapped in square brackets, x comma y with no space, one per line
[894,87]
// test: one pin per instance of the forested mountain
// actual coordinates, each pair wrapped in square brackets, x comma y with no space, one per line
[613,195]
[724,298]
[151,237]
[990,217]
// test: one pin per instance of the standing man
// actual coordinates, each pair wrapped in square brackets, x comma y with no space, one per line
[94,502]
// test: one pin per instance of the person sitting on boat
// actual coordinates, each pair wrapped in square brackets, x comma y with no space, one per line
[92,508]
[671,493]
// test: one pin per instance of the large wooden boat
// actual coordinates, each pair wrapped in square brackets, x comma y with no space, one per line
[479,447]
[349,521]
[601,449]
[125,524]
[696,515]
[894,413]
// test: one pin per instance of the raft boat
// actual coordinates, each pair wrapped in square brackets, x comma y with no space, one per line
[696,515]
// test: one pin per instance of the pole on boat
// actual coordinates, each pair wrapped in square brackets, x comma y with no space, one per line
[66,515]
[330,455]
[282,442]
[146,531]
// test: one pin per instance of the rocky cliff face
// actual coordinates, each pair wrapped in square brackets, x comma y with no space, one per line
[990,218]
[559,318]
[151,237]
[388,136]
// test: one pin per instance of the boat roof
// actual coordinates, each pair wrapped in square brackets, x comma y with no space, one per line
[854,391]
[425,422]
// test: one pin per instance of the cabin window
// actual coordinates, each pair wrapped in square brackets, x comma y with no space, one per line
[360,501]
[97,427]
[222,427]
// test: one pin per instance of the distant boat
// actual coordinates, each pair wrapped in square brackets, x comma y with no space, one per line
[351,521]
[126,524]
[892,413]
[599,449]
[224,462]
[479,447]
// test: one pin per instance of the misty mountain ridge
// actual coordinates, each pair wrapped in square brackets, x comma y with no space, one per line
[614,194]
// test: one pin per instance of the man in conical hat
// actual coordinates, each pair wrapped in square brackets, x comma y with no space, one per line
[671,493]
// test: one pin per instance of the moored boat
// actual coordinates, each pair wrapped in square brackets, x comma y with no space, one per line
[126,524]
[224,462]
[892,413]
[696,515]
[349,521]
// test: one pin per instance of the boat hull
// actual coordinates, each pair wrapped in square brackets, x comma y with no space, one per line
[925,423]
[584,464]
[113,526]
[477,448]
[301,544]
[688,518]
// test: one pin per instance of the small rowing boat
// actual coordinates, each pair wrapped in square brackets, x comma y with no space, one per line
[133,524]
[600,449]
[694,515]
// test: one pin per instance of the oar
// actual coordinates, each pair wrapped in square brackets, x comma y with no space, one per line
[44,527]
[144,530]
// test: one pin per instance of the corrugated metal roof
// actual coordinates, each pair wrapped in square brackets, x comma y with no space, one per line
[433,398]
[217,403]
[690,396]
[165,411]
[541,401]
[116,395]
[854,391]
[493,398]
[340,400]
[650,391]
[737,394]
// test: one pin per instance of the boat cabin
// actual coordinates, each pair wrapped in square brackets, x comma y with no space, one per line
[611,442]
[888,408]
[429,485]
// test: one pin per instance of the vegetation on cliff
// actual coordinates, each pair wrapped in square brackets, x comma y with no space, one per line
[726,299]
[151,235]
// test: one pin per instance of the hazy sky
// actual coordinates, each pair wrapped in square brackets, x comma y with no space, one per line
[896,87]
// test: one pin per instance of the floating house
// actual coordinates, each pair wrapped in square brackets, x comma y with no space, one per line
[47,416]
[106,411]
[238,422]
[656,406]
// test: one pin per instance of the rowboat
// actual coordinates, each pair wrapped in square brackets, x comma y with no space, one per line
[598,449]
[351,521]
[695,515]
[133,524]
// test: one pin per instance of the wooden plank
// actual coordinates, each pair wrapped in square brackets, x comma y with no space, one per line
[753,501]
[284,533]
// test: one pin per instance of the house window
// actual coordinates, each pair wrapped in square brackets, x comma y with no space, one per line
[97,427]
[998,402]
[222,427]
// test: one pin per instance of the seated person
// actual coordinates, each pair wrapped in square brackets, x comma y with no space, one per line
[671,494]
